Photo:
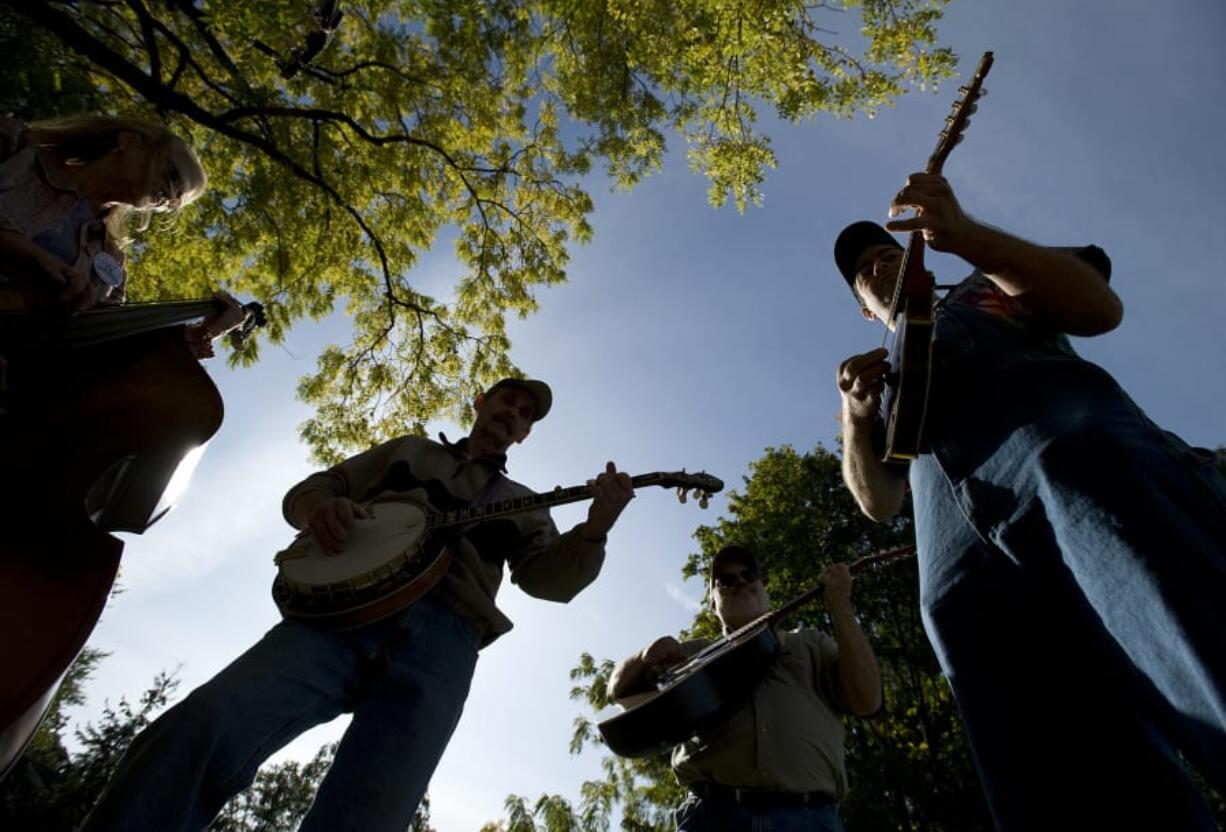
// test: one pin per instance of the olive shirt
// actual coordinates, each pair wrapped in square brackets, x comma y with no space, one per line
[789,737]
[414,469]
[39,202]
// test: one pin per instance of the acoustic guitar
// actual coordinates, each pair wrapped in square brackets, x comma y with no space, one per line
[710,686]
[904,402]
[397,554]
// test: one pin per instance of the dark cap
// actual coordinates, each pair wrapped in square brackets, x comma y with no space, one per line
[737,552]
[538,390]
[853,241]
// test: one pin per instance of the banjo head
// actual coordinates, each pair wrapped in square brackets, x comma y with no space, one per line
[376,547]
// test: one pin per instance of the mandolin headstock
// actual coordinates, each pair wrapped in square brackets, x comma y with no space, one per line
[960,117]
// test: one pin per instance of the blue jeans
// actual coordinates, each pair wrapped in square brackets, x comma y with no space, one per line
[712,814]
[404,679]
[1072,578]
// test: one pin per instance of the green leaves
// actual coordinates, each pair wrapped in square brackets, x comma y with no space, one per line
[421,120]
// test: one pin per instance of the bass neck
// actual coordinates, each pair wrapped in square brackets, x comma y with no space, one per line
[102,324]
[52,329]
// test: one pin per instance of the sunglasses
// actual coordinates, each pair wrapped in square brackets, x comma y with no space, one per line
[727,580]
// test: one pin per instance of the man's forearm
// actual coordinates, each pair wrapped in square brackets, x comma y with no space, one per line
[859,676]
[878,488]
[1062,288]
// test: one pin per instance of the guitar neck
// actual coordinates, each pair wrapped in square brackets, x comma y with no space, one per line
[856,566]
[530,502]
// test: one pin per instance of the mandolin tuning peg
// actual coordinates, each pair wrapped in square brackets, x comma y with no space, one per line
[682,495]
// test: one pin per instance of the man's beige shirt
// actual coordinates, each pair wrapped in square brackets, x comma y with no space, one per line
[788,737]
[542,562]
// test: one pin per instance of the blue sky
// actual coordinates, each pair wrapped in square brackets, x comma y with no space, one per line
[689,337]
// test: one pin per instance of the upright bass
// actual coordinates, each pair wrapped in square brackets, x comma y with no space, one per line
[100,414]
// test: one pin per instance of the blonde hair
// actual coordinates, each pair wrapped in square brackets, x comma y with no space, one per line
[80,140]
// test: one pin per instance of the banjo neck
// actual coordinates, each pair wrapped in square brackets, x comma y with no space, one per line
[703,484]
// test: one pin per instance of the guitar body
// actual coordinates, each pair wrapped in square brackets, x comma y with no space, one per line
[96,417]
[700,694]
[904,402]
[708,688]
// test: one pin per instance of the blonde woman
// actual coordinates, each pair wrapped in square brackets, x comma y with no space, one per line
[69,191]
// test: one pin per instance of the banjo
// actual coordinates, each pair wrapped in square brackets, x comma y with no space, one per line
[394,556]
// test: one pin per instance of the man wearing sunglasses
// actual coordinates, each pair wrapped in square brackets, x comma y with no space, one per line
[777,762]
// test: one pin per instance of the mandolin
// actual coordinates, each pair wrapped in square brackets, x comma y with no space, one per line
[904,402]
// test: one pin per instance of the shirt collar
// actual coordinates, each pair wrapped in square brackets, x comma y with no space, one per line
[460,451]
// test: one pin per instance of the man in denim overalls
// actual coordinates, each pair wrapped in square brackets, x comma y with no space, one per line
[1072,553]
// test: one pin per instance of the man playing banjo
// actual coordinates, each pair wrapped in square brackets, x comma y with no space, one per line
[405,677]
[778,760]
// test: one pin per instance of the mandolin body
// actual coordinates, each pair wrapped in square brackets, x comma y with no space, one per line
[904,402]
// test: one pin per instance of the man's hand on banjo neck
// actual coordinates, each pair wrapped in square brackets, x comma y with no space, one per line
[331,520]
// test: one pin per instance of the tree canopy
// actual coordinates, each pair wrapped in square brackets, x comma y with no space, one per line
[344,140]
